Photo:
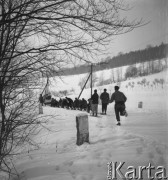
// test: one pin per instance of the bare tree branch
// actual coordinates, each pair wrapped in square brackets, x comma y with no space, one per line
[40,37]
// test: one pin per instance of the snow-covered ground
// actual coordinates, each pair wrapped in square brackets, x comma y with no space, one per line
[140,140]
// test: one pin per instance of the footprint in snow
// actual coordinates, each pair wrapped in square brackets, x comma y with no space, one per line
[70,163]
[73,174]
[143,143]
[151,155]
[57,168]
[139,150]
[159,150]
[162,161]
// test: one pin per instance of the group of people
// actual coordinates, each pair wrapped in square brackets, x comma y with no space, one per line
[118,97]
[92,104]
[68,103]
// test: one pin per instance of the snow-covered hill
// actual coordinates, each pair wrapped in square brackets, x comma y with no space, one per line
[71,83]
[151,94]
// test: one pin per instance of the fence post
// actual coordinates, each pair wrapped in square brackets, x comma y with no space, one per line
[140,104]
[82,126]
[40,108]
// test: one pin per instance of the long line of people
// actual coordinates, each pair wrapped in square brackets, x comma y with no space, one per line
[92,104]
[68,103]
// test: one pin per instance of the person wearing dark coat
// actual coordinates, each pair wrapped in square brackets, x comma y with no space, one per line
[95,101]
[80,104]
[105,100]
[76,103]
[69,103]
[119,107]
[41,100]
[64,103]
[84,104]
[60,103]
[54,102]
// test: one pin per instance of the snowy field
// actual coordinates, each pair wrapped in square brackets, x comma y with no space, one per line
[141,139]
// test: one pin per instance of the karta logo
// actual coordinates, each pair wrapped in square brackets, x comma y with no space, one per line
[116,172]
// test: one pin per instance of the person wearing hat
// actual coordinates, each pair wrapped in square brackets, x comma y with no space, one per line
[105,100]
[95,101]
[119,107]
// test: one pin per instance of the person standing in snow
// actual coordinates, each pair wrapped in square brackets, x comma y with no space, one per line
[95,101]
[41,100]
[76,103]
[105,100]
[119,107]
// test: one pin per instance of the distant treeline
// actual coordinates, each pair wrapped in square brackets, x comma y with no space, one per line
[150,53]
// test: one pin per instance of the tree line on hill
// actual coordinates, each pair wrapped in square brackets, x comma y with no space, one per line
[150,53]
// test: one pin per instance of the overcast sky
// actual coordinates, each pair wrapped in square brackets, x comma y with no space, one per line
[155,11]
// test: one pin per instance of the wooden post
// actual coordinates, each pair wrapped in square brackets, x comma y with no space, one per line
[40,108]
[91,85]
[82,128]
[84,86]
[140,104]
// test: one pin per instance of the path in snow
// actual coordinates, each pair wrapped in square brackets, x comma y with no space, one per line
[137,142]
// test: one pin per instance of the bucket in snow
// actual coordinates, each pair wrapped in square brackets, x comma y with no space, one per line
[140,104]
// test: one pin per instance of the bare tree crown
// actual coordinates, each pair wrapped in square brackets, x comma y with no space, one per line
[39,37]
